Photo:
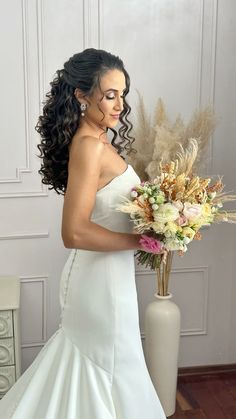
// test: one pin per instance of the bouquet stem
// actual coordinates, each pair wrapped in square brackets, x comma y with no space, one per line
[163,274]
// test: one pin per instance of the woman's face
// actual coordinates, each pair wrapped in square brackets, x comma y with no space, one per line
[107,101]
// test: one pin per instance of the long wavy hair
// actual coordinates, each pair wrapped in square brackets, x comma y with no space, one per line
[61,113]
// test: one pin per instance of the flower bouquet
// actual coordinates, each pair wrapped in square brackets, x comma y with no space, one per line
[170,210]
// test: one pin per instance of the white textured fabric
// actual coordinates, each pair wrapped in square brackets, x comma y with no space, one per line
[93,367]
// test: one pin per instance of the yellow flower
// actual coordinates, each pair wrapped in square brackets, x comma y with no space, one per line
[206,210]
[207,216]
[158,227]
[188,232]
[171,229]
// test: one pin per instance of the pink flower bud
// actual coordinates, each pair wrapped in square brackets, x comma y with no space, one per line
[150,245]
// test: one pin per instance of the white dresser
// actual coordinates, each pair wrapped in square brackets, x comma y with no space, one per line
[10,353]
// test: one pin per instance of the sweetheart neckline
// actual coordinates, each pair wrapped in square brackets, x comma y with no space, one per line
[113,179]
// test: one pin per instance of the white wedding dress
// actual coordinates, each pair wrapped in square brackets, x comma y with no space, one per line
[93,366]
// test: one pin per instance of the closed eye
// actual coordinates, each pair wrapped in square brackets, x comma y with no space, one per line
[113,97]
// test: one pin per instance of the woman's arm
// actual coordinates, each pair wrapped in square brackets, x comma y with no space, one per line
[78,232]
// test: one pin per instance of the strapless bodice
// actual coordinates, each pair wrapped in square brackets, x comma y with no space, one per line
[108,198]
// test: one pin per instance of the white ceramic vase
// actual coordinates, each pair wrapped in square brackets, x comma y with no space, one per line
[162,333]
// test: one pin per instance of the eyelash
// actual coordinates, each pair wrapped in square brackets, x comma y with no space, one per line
[110,98]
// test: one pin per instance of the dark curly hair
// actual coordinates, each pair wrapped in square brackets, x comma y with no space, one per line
[61,113]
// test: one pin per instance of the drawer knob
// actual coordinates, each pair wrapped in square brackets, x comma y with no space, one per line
[5,384]
[3,326]
[5,355]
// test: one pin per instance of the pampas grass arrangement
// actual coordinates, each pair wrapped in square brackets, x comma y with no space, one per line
[160,140]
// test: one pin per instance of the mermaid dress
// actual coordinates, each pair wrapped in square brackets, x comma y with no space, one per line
[93,366]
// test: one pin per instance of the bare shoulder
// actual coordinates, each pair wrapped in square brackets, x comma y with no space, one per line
[87,142]
[86,146]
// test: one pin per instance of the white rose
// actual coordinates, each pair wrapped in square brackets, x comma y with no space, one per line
[186,240]
[158,227]
[184,248]
[173,244]
[166,212]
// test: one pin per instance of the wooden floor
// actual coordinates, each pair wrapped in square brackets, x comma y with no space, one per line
[206,396]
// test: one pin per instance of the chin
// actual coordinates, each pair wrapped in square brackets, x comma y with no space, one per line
[112,124]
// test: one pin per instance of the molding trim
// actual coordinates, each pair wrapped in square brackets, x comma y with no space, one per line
[213,48]
[40,67]
[40,50]
[200,57]
[206,369]
[44,280]
[213,69]
[210,65]
[33,345]
[213,38]
[91,24]
[26,169]
[25,194]
[204,270]
[16,236]
[99,24]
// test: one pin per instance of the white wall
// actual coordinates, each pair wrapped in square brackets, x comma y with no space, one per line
[182,50]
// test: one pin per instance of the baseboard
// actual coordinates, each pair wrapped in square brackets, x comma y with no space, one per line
[206,369]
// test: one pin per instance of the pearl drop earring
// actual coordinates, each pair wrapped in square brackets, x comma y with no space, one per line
[83,107]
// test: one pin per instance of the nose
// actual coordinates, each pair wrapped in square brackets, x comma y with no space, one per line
[119,104]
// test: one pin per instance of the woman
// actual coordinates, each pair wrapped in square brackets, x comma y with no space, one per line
[93,366]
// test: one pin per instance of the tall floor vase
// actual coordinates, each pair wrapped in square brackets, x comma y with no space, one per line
[162,333]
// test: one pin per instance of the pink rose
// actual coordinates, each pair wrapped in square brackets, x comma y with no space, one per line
[181,220]
[192,211]
[150,245]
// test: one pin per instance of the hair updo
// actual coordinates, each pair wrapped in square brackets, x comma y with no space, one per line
[61,112]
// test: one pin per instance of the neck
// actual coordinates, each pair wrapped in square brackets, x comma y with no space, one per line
[89,128]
